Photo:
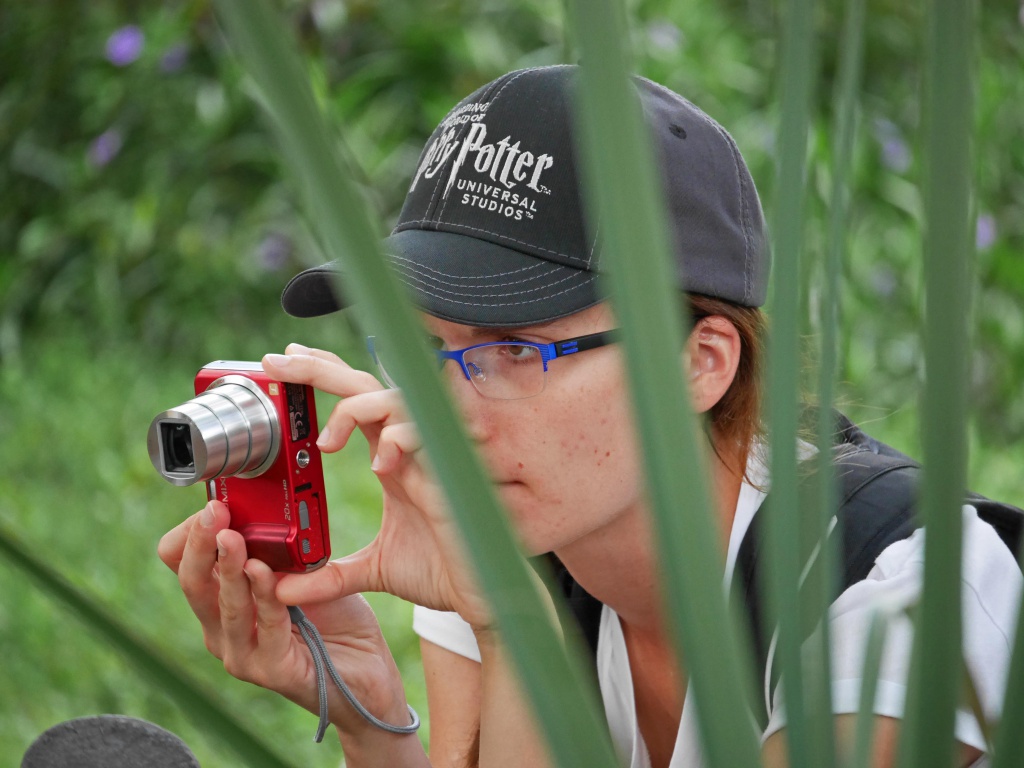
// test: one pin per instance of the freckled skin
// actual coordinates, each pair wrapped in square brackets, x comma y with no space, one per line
[550,454]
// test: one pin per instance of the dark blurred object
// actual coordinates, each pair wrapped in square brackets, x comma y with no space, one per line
[108,741]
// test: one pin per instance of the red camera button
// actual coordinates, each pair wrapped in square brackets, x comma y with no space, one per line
[311,538]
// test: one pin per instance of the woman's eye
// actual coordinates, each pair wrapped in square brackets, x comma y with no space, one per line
[521,351]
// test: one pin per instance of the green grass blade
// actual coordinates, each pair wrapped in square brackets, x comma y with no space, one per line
[848,85]
[195,700]
[556,684]
[973,699]
[797,75]
[932,697]
[865,727]
[1009,737]
[622,190]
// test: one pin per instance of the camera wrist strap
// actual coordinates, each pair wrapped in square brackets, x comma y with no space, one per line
[324,666]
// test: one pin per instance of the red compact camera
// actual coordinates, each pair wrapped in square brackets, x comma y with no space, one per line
[252,441]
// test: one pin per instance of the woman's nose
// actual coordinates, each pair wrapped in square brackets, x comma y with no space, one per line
[471,406]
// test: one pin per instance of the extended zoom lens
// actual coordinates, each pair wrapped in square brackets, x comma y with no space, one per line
[176,442]
[229,430]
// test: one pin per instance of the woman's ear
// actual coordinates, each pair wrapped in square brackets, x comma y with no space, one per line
[711,358]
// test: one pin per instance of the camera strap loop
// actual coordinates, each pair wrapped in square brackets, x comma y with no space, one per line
[324,666]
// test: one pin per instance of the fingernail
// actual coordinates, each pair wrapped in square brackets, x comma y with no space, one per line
[375,464]
[297,349]
[279,360]
[325,436]
[221,549]
[206,516]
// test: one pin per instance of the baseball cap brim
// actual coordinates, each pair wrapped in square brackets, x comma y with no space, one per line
[462,279]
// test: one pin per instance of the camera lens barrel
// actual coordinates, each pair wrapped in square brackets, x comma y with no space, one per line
[230,430]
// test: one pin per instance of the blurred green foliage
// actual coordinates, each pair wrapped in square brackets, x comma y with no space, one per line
[147,226]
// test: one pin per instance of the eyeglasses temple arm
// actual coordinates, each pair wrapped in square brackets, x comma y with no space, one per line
[583,343]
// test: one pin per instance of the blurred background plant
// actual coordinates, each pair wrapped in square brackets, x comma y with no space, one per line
[147,226]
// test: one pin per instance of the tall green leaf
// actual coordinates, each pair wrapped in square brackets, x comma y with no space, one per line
[796,79]
[865,728]
[622,190]
[848,77]
[556,684]
[196,701]
[1009,739]
[932,697]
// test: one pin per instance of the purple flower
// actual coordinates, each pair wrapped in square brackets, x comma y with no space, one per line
[125,45]
[985,232]
[273,251]
[896,154]
[105,147]
[174,58]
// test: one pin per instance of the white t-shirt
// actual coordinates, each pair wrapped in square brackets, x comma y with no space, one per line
[992,584]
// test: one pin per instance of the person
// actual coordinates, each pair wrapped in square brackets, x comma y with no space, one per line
[494,245]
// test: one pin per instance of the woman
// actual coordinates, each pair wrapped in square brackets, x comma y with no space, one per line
[493,244]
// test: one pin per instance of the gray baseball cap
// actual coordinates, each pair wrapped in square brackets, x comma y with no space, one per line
[494,233]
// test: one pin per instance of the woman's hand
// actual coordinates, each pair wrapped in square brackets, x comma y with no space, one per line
[417,554]
[250,630]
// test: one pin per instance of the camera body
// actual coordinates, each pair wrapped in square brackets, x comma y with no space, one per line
[252,441]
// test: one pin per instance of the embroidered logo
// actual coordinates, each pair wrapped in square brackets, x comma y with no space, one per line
[504,162]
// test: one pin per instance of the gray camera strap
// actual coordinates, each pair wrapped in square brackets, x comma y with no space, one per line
[324,667]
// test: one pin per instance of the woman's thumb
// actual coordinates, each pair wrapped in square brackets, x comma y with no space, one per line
[339,578]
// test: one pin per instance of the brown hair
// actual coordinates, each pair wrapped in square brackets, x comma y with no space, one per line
[735,422]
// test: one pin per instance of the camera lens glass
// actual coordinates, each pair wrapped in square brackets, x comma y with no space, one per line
[177,453]
[230,430]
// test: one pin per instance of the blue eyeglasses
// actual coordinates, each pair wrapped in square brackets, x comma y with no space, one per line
[504,370]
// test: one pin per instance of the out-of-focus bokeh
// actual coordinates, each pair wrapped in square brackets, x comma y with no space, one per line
[147,226]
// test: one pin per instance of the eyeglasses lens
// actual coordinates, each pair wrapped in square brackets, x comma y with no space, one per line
[506,371]
[497,371]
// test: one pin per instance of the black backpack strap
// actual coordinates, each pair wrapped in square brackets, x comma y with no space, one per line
[1007,520]
[877,508]
[876,488]
[584,608]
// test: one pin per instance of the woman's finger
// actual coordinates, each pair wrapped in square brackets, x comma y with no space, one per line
[350,575]
[395,441]
[196,566]
[384,407]
[237,608]
[323,354]
[273,622]
[328,375]
[172,544]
